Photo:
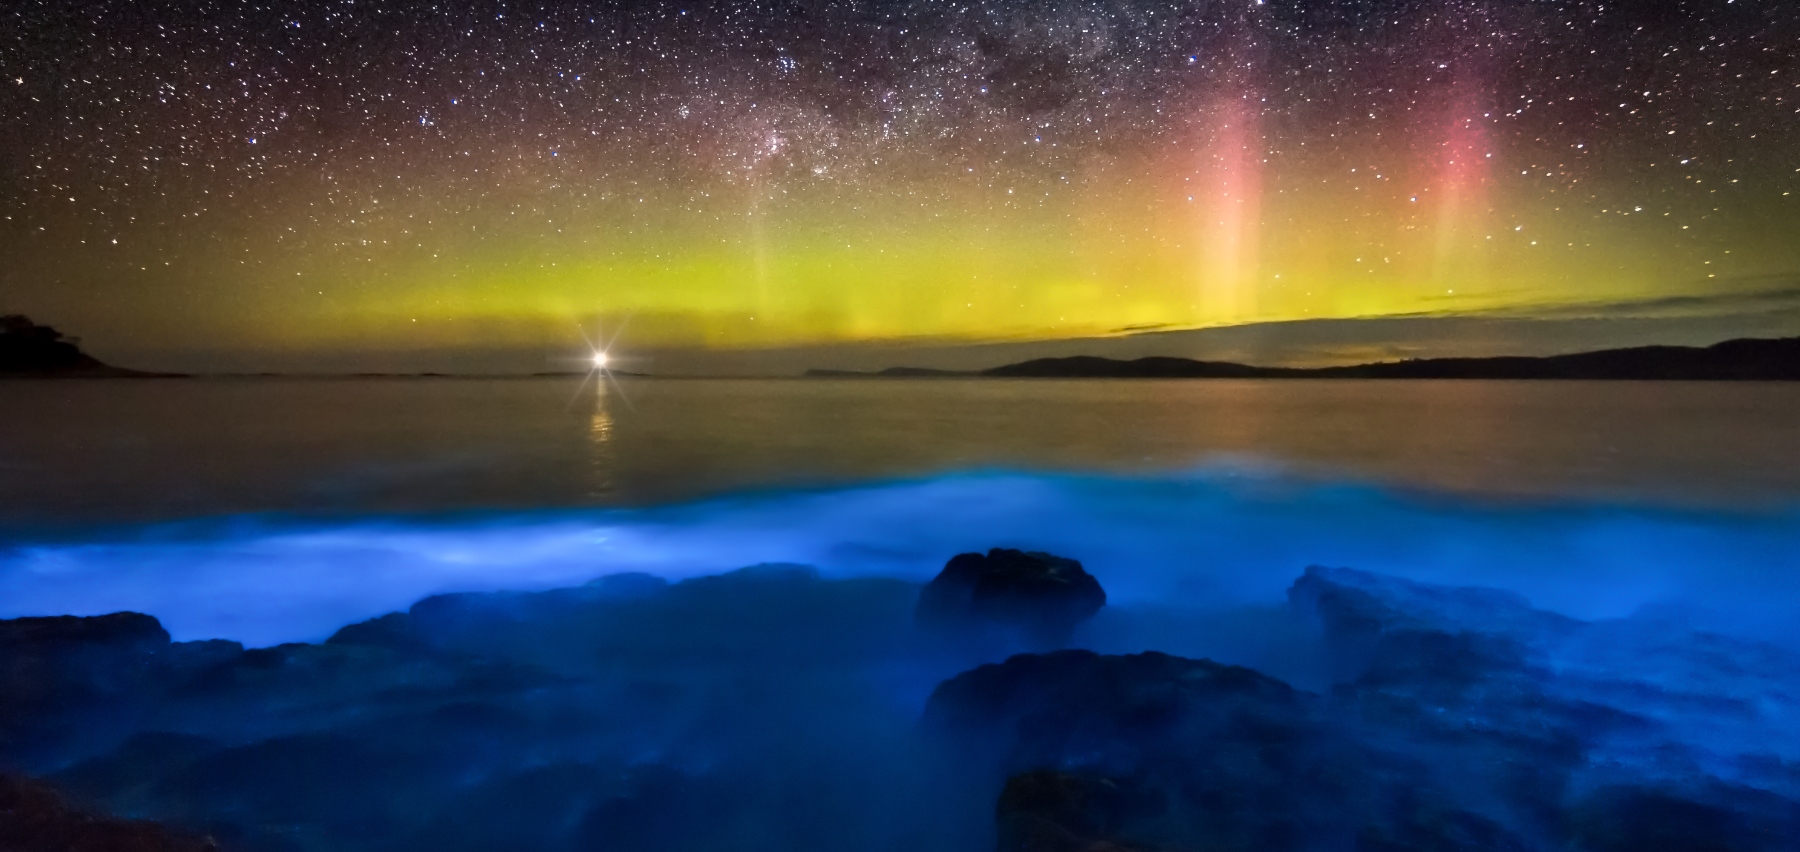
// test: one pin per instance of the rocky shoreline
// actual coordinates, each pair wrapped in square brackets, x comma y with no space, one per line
[769,708]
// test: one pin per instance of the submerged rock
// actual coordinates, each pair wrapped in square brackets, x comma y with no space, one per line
[1462,719]
[1639,694]
[1155,751]
[1042,595]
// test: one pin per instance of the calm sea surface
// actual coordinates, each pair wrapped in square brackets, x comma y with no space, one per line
[105,451]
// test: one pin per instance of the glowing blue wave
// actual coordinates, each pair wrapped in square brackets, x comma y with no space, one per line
[1216,537]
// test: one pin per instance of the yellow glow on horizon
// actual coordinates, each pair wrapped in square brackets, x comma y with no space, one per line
[1201,232]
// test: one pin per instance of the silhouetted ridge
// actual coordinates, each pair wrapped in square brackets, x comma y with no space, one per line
[1157,367]
[1733,360]
[1739,360]
[891,372]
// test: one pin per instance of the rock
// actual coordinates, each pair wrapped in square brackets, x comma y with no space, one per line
[629,584]
[66,633]
[1050,811]
[71,687]
[1448,740]
[769,703]
[394,630]
[1420,650]
[141,758]
[1041,595]
[1356,606]
[1066,703]
[66,679]
[1676,731]
[1720,819]
[35,818]
[1213,756]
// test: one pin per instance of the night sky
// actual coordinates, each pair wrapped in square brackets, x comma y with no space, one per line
[365,173]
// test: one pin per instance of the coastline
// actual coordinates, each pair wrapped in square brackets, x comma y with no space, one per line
[1744,359]
[412,729]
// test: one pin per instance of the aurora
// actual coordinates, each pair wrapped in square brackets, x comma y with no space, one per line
[743,176]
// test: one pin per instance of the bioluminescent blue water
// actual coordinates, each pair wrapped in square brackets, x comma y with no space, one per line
[784,709]
[1218,536]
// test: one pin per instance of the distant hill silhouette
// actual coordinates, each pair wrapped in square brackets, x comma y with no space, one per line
[1732,360]
[889,373]
[29,349]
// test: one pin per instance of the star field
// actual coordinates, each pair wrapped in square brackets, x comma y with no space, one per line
[319,174]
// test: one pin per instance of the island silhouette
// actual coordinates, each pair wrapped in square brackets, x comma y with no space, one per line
[40,351]
[1743,359]
[30,350]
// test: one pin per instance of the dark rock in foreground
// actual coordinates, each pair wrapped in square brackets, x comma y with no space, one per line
[35,818]
[627,714]
[1616,686]
[1042,595]
[1463,719]
[67,680]
[1159,751]
[1049,811]
[771,709]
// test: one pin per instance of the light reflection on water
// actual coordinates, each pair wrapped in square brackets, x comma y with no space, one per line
[602,462]
[75,453]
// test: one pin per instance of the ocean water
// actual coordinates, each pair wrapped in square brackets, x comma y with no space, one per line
[80,453]
[279,509]
[781,708]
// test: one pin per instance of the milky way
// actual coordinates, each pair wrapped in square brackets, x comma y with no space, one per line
[296,174]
